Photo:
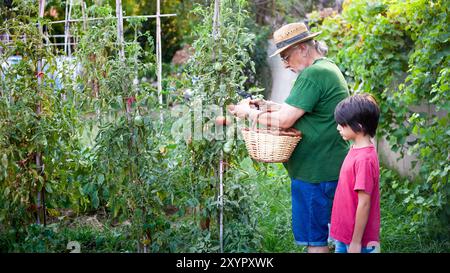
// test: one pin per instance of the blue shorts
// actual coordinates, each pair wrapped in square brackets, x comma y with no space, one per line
[311,211]
[342,248]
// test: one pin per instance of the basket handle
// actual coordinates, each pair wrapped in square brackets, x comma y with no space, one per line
[255,121]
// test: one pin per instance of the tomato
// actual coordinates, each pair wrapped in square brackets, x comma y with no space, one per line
[228,146]
[138,120]
[222,121]
[217,66]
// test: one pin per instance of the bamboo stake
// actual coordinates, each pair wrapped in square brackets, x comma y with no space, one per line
[159,56]
[66,28]
[69,48]
[83,13]
[221,201]
[119,17]
[40,168]
[216,37]
[216,31]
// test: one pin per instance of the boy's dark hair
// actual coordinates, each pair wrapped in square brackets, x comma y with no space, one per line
[360,112]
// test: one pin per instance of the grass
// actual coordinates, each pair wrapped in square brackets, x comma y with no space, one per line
[276,227]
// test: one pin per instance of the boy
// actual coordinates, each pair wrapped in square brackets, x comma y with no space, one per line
[355,216]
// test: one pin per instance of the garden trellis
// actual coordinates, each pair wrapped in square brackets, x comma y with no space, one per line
[120,18]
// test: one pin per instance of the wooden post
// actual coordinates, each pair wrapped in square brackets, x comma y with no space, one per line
[119,16]
[159,57]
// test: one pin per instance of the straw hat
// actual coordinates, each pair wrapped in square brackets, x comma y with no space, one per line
[291,34]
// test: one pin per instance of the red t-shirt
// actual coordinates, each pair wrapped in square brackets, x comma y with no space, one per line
[360,171]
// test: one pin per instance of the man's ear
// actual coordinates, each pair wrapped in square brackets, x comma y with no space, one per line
[303,48]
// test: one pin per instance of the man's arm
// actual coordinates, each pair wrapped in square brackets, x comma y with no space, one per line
[285,117]
[362,215]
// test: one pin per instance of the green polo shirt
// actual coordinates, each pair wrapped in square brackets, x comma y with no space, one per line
[319,154]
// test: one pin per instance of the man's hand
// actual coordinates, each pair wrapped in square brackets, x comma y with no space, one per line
[266,105]
[241,109]
[285,117]
[258,102]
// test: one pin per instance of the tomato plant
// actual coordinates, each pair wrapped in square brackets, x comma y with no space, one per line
[39,140]
[217,71]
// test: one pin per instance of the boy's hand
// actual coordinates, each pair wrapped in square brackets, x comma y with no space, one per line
[354,247]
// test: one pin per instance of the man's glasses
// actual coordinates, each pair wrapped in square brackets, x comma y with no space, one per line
[285,58]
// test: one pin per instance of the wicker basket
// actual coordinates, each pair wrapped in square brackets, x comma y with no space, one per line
[270,145]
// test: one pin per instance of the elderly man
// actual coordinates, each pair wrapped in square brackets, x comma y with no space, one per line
[315,163]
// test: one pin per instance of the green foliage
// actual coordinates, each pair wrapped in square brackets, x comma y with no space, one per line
[400,231]
[399,52]
[37,122]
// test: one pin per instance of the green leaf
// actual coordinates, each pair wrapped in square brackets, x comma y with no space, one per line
[95,200]
[48,188]
[100,179]
[420,200]
[5,161]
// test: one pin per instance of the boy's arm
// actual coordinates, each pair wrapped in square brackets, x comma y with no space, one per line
[362,215]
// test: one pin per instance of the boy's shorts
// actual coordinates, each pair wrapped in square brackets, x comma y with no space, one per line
[311,211]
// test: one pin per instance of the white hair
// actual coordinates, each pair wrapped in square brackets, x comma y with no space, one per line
[319,46]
